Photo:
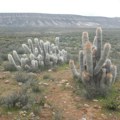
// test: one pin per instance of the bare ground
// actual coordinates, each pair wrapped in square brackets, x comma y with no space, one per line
[62,103]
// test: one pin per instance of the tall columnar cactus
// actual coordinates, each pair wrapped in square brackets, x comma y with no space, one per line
[38,54]
[97,72]
[57,41]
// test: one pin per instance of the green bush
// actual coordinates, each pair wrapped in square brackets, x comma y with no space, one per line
[15,99]
[112,101]
[24,77]
[4,57]
[9,67]
[58,115]
[20,50]
[30,81]
[36,110]
[35,88]
[46,76]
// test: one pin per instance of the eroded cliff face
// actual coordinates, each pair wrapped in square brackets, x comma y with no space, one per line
[56,20]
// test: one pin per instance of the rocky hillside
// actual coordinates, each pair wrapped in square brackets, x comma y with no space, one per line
[55,20]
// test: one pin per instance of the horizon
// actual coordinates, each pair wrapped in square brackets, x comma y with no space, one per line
[55,14]
[103,8]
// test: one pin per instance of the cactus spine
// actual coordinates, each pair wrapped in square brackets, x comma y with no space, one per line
[97,72]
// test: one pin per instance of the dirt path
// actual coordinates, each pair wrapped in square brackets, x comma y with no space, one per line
[61,101]
[60,95]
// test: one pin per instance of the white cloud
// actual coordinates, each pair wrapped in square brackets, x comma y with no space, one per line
[108,8]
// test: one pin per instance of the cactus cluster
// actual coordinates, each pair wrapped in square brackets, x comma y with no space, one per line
[38,55]
[97,72]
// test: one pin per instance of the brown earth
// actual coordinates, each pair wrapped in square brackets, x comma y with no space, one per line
[61,101]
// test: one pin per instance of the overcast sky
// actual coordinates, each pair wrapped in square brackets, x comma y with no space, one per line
[109,8]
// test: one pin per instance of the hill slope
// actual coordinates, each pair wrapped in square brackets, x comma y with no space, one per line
[55,20]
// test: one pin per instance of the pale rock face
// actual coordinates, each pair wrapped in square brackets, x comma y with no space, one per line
[43,20]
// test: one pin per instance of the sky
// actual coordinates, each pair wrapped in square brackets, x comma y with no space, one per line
[108,8]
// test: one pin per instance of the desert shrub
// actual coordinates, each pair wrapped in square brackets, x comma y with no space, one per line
[58,115]
[24,77]
[36,110]
[33,84]
[112,101]
[78,87]
[40,100]
[1,61]
[36,88]
[9,67]
[4,57]
[17,99]
[30,81]
[46,76]
[20,50]
[25,97]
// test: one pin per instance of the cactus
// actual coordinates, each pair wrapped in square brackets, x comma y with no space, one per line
[57,41]
[38,54]
[74,70]
[16,56]
[12,62]
[26,48]
[97,72]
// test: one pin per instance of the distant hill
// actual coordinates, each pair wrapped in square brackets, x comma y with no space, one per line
[56,20]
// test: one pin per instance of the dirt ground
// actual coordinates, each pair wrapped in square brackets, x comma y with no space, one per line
[61,101]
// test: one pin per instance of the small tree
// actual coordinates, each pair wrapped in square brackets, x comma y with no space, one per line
[97,72]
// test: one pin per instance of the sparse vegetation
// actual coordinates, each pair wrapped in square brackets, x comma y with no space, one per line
[9,67]
[112,101]
[23,77]
[47,77]
[15,99]
[53,87]
[57,115]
